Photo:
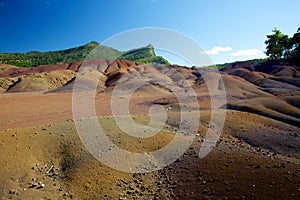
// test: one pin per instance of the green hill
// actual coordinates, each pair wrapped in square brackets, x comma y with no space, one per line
[145,55]
[220,66]
[35,58]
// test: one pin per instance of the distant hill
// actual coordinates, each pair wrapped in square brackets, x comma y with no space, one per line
[145,55]
[220,66]
[35,58]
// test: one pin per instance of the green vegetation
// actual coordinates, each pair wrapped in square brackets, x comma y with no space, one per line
[35,58]
[281,46]
[219,66]
[145,55]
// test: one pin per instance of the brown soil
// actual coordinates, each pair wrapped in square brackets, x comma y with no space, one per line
[257,156]
[236,168]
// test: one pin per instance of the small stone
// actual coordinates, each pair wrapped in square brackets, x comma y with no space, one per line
[33,185]
[204,191]
[253,185]
[129,192]
[12,191]
[42,185]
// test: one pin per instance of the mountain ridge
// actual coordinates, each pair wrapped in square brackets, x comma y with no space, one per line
[80,53]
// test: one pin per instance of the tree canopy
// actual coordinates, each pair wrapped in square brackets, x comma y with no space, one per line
[281,46]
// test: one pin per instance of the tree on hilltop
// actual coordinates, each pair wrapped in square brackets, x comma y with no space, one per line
[281,46]
[277,44]
[295,42]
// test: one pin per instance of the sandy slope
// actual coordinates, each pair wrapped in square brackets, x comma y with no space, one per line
[235,169]
[257,156]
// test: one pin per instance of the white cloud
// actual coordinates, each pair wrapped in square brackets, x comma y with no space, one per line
[216,50]
[248,53]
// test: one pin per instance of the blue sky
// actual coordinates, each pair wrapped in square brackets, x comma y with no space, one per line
[228,30]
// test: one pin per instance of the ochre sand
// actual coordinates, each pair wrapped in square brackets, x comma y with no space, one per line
[38,135]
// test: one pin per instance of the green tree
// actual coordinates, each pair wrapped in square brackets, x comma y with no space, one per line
[287,48]
[295,45]
[278,45]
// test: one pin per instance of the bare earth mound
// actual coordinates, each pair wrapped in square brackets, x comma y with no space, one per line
[256,157]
